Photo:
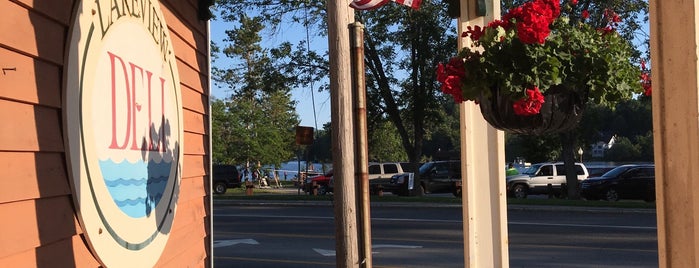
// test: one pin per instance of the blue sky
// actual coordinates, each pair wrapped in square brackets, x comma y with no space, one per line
[303,96]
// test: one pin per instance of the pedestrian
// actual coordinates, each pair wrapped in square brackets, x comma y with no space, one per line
[511,170]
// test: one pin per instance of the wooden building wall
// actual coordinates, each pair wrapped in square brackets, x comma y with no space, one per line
[38,225]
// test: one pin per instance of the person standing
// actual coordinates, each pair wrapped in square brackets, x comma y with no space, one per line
[511,170]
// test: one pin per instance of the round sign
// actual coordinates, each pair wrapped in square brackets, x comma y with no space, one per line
[123,129]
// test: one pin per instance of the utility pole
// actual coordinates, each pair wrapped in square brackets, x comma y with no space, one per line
[361,145]
[340,16]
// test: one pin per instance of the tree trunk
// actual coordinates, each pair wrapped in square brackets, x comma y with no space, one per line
[568,154]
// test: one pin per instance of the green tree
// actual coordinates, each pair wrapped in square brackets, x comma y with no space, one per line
[402,48]
[534,149]
[385,143]
[321,150]
[623,151]
[220,119]
[259,115]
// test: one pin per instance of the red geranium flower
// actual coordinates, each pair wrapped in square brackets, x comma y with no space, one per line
[585,14]
[533,19]
[475,32]
[529,105]
[450,76]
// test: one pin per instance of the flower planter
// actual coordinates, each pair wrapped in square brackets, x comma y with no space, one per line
[561,111]
[535,45]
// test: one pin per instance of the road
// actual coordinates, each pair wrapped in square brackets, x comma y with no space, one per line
[303,236]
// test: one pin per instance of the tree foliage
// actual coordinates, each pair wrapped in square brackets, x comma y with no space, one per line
[256,123]
[630,122]
[403,46]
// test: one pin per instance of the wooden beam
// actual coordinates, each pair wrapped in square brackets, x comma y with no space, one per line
[482,169]
[674,65]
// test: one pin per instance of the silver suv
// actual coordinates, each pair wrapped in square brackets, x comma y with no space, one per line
[542,178]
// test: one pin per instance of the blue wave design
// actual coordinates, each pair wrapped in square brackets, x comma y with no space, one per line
[136,188]
[125,182]
[134,182]
[131,202]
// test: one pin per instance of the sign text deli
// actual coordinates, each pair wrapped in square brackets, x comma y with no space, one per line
[123,117]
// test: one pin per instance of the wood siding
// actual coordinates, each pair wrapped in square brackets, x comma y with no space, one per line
[39,225]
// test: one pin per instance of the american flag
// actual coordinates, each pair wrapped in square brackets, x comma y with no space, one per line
[372,4]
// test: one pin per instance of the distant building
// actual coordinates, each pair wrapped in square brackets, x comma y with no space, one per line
[601,147]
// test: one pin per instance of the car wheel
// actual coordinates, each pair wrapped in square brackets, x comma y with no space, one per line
[611,195]
[322,190]
[219,188]
[519,191]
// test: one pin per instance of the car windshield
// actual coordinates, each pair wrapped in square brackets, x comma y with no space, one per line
[616,171]
[426,168]
[532,169]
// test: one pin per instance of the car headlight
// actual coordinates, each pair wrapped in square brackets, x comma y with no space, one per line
[400,180]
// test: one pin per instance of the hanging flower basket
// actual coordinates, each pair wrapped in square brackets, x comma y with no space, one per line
[534,71]
[560,111]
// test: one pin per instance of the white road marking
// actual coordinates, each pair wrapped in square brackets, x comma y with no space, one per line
[330,253]
[227,243]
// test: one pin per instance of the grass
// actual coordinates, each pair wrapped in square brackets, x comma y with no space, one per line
[582,203]
[275,194]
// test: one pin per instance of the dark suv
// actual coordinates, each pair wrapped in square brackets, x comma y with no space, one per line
[224,177]
[435,177]
[622,182]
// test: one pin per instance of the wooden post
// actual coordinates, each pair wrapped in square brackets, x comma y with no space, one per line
[482,169]
[674,65]
[361,145]
[339,18]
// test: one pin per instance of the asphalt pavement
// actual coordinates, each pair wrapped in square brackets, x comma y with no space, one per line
[294,191]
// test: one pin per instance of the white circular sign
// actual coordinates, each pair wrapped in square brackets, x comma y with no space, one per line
[123,129]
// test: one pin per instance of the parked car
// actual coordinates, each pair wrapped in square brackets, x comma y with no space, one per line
[598,171]
[435,177]
[623,182]
[224,177]
[542,178]
[380,174]
[322,181]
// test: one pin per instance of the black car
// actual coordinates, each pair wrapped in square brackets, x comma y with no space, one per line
[435,177]
[224,177]
[622,182]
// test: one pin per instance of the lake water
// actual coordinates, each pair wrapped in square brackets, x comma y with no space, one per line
[289,170]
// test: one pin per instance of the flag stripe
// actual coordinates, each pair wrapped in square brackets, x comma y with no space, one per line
[367,4]
[372,4]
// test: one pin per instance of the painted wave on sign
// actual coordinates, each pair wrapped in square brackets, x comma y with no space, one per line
[136,188]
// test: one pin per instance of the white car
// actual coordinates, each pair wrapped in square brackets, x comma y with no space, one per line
[380,174]
[542,178]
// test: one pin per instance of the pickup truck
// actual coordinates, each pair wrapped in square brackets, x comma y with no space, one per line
[379,176]
[435,177]
[542,178]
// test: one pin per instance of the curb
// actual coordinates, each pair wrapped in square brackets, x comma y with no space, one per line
[237,202]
